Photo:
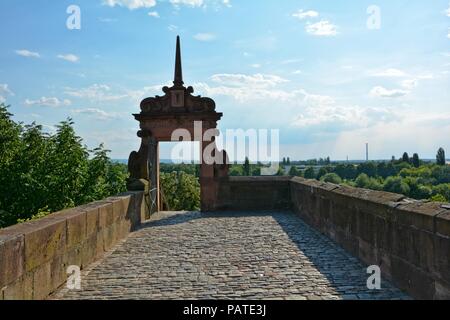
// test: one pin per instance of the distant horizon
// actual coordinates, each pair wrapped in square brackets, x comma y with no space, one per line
[169,161]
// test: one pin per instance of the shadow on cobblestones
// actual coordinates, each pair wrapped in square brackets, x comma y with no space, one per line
[228,255]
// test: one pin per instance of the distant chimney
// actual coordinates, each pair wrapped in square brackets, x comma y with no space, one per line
[367,152]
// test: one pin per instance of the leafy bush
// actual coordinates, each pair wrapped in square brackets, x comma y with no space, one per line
[332,178]
[309,173]
[364,181]
[181,191]
[396,185]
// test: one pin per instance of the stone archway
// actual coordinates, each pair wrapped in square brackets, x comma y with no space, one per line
[159,118]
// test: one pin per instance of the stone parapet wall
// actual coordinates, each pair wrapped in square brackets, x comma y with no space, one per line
[35,255]
[409,240]
[253,193]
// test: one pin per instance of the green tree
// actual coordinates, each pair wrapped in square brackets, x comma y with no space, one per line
[246,167]
[181,191]
[440,157]
[294,171]
[416,160]
[405,157]
[322,171]
[310,173]
[236,170]
[346,171]
[369,168]
[396,185]
[42,173]
[332,178]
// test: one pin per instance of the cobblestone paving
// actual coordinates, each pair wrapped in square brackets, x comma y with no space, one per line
[228,256]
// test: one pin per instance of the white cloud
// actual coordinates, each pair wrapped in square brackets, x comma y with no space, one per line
[204,37]
[448,35]
[322,28]
[250,81]
[154,14]
[226,3]
[48,102]
[4,91]
[97,113]
[245,88]
[305,14]
[96,92]
[409,83]
[255,65]
[68,57]
[447,12]
[172,27]
[28,54]
[130,4]
[389,73]
[297,72]
[191,3]
[382,92]
[337,118]
[414,82]
[107,20]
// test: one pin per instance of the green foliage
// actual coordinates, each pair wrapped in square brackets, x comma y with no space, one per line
[443,190]
[396,185]
[246,167]
[438,198]
[236,170]
[405,157]
[369,168]
[364,181]
[346,171]
[295,172]
[415,160]
[310,173]
[192,169]
[181,191]
[440,157]
[322,172]
[42,173]
[332,178]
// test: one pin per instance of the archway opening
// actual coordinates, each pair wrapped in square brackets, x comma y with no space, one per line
[179,176]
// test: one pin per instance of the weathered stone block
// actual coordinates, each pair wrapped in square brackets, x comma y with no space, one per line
[58,272]
[92,221]
[401,241]
[46,239]
[89,251]
[11,258]
[42,281]
[367,253]
[443,223]
[442,256]
[418,214]
[14,291]
[109,236]
[413,280]
[76,228]
[106,217]
[73,257]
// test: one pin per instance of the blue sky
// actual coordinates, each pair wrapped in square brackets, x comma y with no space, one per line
[313,69]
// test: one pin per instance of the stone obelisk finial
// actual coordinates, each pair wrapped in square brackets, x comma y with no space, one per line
[178,80]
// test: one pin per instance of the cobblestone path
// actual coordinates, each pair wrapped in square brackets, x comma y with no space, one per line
[228,256]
